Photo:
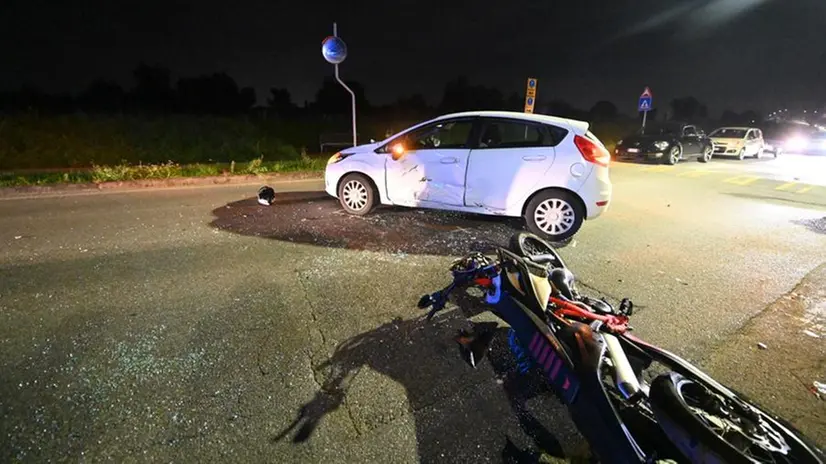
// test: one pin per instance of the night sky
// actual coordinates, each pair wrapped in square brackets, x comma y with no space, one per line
[737,54]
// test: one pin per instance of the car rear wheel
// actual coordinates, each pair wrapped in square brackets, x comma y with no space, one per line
[357,194]
[674,155]
[554,215]
[706,156]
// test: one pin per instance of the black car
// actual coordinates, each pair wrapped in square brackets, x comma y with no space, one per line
[666,143]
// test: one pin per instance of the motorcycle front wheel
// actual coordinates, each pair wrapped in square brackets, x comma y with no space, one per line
[528,244]
[714,426]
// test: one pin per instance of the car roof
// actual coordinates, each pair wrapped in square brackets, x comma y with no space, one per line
[581,126]
[736,128]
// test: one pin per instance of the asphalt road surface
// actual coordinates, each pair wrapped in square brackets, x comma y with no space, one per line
[194,325]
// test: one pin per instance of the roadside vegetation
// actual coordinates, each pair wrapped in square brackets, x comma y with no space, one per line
[37,150]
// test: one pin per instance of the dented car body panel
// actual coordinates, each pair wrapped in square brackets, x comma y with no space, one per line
[479,162]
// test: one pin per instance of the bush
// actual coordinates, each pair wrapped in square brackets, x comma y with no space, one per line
[30,141]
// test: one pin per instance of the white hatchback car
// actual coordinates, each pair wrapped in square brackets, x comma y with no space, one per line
[551,171]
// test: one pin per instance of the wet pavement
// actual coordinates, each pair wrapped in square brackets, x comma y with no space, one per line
[167,326]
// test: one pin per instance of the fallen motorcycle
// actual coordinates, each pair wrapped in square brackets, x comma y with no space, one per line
[632,401]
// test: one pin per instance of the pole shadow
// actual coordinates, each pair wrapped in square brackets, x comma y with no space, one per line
[317,219]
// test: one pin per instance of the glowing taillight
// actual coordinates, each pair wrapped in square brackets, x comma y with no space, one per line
[591,151]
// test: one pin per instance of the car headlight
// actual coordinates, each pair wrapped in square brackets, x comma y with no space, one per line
[661,145]
[335,158]
[796,143]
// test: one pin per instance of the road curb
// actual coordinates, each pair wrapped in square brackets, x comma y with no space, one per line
[90,188]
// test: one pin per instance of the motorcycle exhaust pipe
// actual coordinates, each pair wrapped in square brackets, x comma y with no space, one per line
[627,381]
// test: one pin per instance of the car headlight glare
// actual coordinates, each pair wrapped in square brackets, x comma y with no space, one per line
[661,145]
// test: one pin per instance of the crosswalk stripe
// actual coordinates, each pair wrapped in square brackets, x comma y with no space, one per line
[694,173]
[659,169]
[741,180]
[805,189]
[786,186]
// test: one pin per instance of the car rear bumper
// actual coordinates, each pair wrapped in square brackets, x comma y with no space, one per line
[596,193]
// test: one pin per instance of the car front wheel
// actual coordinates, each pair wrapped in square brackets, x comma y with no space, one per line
[555,215]
[357,194]
[742,154]
[674,155]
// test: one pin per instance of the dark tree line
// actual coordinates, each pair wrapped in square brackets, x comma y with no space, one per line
[218,93]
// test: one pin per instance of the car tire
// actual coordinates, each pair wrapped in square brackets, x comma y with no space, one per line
[705,157]
[742,154]
[674,155]
[758,154]
[357,194]
[554,215]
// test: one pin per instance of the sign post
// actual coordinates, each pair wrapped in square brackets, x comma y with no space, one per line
[644,105]
[334,50]
[530,95]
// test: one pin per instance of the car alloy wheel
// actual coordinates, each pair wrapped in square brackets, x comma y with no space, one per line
[707,153]
[673,155]
[554,216]
[357,194]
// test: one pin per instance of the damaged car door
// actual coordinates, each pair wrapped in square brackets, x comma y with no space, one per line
[508,162]
[431,171]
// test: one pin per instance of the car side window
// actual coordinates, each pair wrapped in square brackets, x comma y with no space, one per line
[442,134]
[513,134]
[689,130]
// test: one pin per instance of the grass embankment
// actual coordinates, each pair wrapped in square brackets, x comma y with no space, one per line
[41,150]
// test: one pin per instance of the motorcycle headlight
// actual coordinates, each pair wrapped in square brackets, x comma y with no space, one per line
[661,145]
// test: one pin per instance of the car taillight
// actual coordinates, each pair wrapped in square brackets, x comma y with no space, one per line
[591,151]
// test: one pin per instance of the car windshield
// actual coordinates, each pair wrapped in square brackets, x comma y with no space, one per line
[660,129]
[729,133]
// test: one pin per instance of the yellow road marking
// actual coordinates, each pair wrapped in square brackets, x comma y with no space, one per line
[659,169]
[786,186]
[695,173]
[805,189]
[741,180]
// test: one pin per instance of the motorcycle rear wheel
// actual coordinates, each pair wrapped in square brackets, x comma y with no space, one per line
[709,426]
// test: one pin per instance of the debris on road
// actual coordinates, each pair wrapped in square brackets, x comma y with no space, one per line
[266,195]
[18,237]
[811,334]
[681,281]
[819,389]
[762,346]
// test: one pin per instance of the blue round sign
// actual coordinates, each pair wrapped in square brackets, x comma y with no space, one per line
[530,101]
[334,49]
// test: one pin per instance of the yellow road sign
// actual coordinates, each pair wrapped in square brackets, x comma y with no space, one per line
[530,94]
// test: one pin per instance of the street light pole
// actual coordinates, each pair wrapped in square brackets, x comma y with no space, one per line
[352,94]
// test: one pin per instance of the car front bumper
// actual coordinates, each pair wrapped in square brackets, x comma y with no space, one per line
[637,154]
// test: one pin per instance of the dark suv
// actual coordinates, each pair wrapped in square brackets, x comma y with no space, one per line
[667,143]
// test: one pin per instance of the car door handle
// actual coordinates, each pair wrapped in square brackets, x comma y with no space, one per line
[450,160]
[534,157]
